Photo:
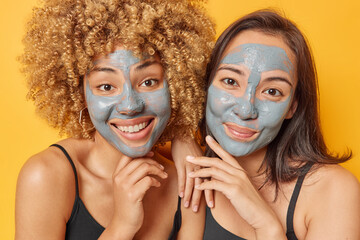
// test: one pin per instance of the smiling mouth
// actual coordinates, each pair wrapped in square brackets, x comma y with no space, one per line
[134,132]
[132,128]
[239,133]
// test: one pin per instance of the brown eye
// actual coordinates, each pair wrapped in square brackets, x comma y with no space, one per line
[149,83]
[106,87]
[273,92]
[229,81]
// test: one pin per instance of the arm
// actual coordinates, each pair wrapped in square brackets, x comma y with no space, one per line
[193,224]
[44,198]
[180,149]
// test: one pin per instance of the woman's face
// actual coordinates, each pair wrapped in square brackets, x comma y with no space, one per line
[251,93]
[128,101]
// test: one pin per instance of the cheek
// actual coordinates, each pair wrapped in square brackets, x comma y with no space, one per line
[157,102]
[218,101]
[100,107]
[272,114]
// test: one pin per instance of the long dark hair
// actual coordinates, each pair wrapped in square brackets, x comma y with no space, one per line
[299,140]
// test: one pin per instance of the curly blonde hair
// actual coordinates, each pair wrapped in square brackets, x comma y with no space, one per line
[64,36]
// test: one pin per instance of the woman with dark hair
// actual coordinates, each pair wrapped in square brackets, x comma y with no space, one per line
[265,142]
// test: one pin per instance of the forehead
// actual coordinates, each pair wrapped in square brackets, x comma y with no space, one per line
[260,43]
[123,58]
[259,58]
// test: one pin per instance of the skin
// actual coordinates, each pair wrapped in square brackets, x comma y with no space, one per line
[180,149]
[126,105]
[243,114]
[133,198]
[253,214]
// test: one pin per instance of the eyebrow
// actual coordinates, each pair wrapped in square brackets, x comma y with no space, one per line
[146,64]
[103,69]
[269,79]
[238,71]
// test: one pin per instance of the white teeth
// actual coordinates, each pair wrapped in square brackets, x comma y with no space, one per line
[131,129]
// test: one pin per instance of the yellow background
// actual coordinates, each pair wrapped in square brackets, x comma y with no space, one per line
[333,30]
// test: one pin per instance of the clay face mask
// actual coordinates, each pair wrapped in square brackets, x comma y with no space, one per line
[131,117]
[243,123]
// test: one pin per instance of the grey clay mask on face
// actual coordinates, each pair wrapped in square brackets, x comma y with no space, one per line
[262,116]
[129,105]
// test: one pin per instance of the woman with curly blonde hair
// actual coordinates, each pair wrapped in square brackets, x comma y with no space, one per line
[117,77]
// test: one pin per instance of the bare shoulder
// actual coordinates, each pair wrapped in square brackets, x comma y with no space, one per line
[332,193]
[333,180]
[46,170]
[45,195]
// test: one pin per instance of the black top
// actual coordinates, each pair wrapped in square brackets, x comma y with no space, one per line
[82,226]
[214,231]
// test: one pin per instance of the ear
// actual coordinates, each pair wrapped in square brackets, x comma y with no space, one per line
[292,109]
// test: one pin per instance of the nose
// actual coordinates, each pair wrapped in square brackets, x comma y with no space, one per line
[131,105]
[245,107]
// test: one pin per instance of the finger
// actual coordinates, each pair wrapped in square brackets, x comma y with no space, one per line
[189,187]
[149,154]
[214,184]
[141,187]
[144,170]
[135,163]
[181,180]
[196,196]
[212,172]
[209,197]
[221,152]
[207,162]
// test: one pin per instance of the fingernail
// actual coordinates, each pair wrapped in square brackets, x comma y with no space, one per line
[165,174]
[161,166]
[209,137]
[186,204]
[211,204]
[195,208]
[181,194]
[189,157]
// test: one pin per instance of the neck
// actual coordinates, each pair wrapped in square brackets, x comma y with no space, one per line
[104,157]
[252,164]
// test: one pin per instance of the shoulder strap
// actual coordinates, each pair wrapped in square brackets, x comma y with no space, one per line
[294,198]
[177,222]
[72,165]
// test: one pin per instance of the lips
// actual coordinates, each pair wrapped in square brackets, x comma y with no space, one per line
[138,129]
[132,128]
[239,133]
